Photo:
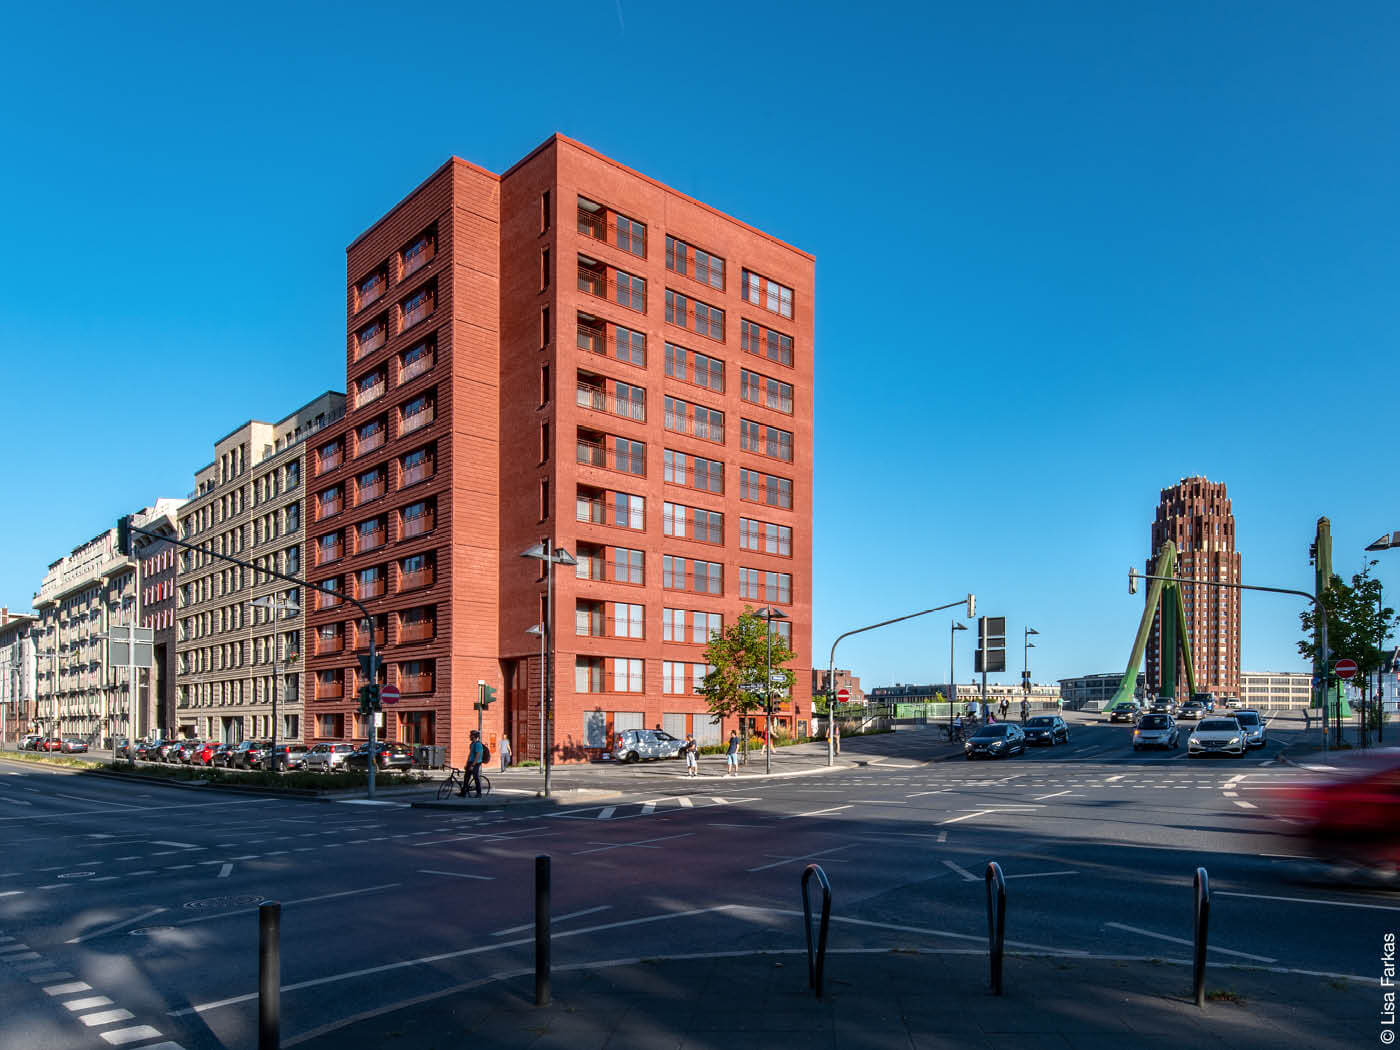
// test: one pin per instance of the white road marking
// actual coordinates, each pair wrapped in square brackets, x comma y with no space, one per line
[68,989]
[87,1003]
[1057,794]
[108,1017]
[1231,794]
[1179,940]
[965,816]
[122,1036]
[553,919]
[805,856]
[942,836]
[287,904]
[1309,900]
[606,812]
[961,871]
[224,871]
[603,847]
[1245,805]
[685,802]
[115,926]
[918,794]
[11,893]
[648,808]
[879,802]
[816,812]
[457,874]
[179,845]
[1040,874]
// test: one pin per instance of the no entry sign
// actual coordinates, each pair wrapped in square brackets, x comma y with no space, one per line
[1345,668]
[843,696]
[389,694]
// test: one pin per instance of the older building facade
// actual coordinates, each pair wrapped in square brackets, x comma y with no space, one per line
[1196,515]
[80,692]
[238,631]
[570,351]
[17,671]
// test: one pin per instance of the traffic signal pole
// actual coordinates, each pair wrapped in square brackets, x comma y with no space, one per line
[125,529]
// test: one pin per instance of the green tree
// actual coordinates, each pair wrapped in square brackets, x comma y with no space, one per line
[740,657]
[1357,624]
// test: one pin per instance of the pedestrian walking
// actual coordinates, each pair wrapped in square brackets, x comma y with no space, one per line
[732,755]
[476,755]
[1025,711]
[505,752]
[692,757]
[836,735]
[1004,706]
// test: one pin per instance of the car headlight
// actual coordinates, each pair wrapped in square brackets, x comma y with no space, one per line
[1234,740]
[996,744]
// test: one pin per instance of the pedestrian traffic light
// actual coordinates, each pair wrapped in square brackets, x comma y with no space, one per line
[124,535]
[488,695]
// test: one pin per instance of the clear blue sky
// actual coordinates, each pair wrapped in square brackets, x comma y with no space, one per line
[1066,254]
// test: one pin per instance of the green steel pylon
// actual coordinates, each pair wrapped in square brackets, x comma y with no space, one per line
[1165,593]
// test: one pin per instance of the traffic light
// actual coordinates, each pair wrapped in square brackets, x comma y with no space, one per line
[971,606]
[488,695]
[124,535]
[369,698]
[1132,579]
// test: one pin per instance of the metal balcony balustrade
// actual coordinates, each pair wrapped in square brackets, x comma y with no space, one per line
[593,224]
[372,290]
[415,368]
[417,630]
[419,472]
[370,442]
[417,421]
[417,310]
[418,256]
[369,342]
[590,510]
[419,525]
[415,579]
[416,683]
[327,508]
[329,690]
[598,399]
[372,540]
[596,454]
[372,491]
[684,423]
[328,461]
[370,392]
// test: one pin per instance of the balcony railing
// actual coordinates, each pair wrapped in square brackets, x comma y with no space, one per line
[701,428]
[600,400]
[594,282]
[414,369]
[329,461]
[416,683]
[370,343]
[370,442]
[419,631]
[418,257]
[595,454]
[422,472]
[334,644]
[326,555]
[328,508]
[593,224]
[419,526]
[373,292]
[593,339]
[591,510]
[329,690]
[371,588]
[413,580]
[418,312]
[365,394]
[417,421]
[372,491]
[369,541]
[590,568]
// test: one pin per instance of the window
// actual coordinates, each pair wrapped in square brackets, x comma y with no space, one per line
[544,268]
[371,337]
[416,308]
[765,536]
[627,566]
[673,676]
[764,586]
[631,346]
[631,236]
[626,511]
[770,441]
[329,502]
[418,624]
[627,620]
[770,295]
[694,471]
[764,342]
[416,519]
[702,422]
[369,387]
[371,288]
[417,255]
[369,583]
[370,485]
[544,211]
[706,526]
[416,414]
[328,548]
[416,676]
[709,320]
[675,308]
[414,467]
[692,262]
[629,456]
[591,220]
[370,436]
[370,534]
[760,390]
[626,676]
[694,367]
[416,571]
[328,457]
[765,488]
[631,291]
[708,577]
[704,626]
[588,674]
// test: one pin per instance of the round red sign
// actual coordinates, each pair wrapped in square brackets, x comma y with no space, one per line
[1346,668]
[843,696]
[389,694]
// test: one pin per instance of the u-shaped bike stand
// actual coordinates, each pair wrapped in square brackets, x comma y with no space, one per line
[816,955]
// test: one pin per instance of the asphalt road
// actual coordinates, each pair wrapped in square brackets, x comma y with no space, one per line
[128,911]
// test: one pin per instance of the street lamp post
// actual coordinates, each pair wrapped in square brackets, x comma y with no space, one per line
[1389,541]
[551,556]
[1026,662]
[953,630]
[769,615]
[279,605]
[971,601]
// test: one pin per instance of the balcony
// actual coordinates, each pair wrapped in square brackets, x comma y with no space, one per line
[419,525]
[372,290]
[416,683]
[417,367]
[369,340]
[413,580]
[593,338]
[329,689]
[593,223]
[417,256]
[417,421]
[371,540]
[419,308]
[419,472]
[590,510]
[326,644]
[328,461]
[370,391]
[327,553]
[368,442]
[683,423]
[371,491]
[422,630]
[593,280]
[372,588]
[598,399]
[329,508]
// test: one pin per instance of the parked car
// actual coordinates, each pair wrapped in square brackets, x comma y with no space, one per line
[1255,732]
[291,756]
[249,754]
[51,743]
[73,746]
[29,741]
[222,754]
[1128,712]
[327,757]
[999,740]
[1192,710]
[1156,730]
[1217,736]
[164,751]
[637,744]
[184,751]
[1046,729]
[388,756]
[202,754]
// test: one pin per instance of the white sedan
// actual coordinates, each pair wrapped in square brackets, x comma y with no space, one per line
[1217,736]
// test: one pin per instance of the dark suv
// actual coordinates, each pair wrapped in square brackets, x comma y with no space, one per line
[393,756]
[1128,712]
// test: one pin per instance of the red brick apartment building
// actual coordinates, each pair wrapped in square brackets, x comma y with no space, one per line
[569,350]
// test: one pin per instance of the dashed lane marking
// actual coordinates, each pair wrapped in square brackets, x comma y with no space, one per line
[1245,805]
[967,875]
[109,1017]
[553,919]
[1179,940]
[457,874]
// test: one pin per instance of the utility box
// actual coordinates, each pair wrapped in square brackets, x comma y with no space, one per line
[429,756]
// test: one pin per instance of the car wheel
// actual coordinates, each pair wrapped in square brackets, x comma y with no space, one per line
[632,756]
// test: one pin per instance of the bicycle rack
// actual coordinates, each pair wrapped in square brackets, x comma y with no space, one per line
[1202,930]
[996,921]
[816,961]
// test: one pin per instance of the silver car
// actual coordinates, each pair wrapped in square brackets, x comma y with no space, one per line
[1255,732]
[637,744]
[1216,736]
[1156,730]
[327,758]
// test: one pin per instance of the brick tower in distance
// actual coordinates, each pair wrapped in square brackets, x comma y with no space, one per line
[1196,515]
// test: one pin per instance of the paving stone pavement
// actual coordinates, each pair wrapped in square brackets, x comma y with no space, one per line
[881,1000]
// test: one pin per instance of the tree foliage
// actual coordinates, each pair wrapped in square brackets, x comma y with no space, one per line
[740,657]
[1356,621]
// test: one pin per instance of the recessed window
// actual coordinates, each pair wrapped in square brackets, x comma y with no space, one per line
[760,291]
[371,337]
[416,466]
[690,261]
[770,441]
[370,485]
[417,253]
[371,288]
[631,236]
[416,361]
[417,307]
[370,387]
[416,414]
[764,342]
[370,535]
[761,390]
[369,436]
[758,487]
[417,519]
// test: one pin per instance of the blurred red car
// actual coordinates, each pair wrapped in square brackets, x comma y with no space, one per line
[1351,811]
[52,744]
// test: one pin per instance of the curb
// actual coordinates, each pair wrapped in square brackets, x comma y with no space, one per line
[556,801]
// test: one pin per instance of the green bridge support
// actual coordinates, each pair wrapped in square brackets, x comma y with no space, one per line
[1166,596]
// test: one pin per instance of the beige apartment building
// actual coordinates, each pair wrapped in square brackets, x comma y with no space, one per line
[84,594]
[1263,689]
[231,654]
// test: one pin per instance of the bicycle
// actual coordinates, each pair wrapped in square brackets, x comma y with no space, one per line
[454,782]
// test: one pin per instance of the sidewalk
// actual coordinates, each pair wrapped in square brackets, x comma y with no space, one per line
[901,1000]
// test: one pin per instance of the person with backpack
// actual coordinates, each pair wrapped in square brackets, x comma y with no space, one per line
[477,754]
[691,757]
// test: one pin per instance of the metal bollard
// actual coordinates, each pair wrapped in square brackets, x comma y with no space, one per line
[996,922]
[269,975]
[1198,963]
[816,954]
[542,930]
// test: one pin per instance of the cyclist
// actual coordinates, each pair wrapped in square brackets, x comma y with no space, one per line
[957,727]
[476,754]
